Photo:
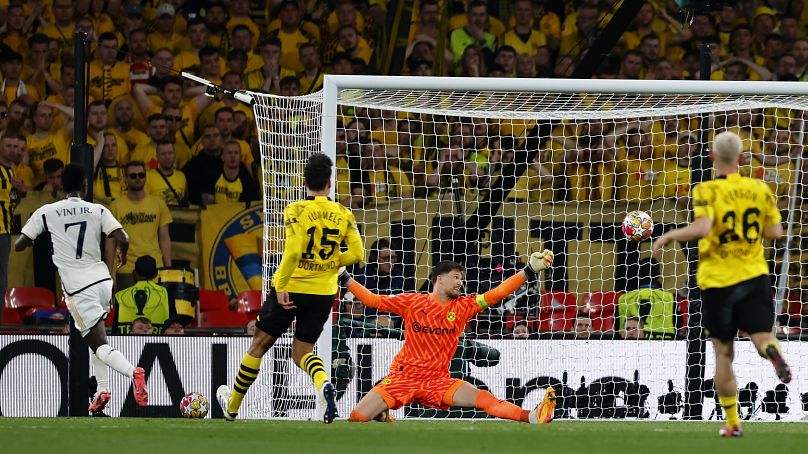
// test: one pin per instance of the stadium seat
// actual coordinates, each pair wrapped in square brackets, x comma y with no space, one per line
[557,311]
[10,317]
[26,299]
[222,319]
[213,300]
[683,309]
[601,307]
[249,303]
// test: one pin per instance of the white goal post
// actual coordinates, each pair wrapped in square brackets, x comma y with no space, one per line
[486,170]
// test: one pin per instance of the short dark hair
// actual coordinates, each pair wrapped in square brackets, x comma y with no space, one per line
[73,178]
[52,165]
[108,36]
[270,41]
[176,80]
[155,117]
[196,21]
[96,103]
[221,110]
[240,27]
[289,80]
[318,171]
[444,267]
[38,38]
[134,163]
[207,51]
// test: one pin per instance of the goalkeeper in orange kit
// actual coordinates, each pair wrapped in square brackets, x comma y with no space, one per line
[433,324]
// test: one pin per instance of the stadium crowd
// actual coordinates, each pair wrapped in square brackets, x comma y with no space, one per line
[160,142]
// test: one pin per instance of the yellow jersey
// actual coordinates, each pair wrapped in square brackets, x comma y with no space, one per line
[156,185]
[525,45]
[8,199]
[109,182]
[315,229]
[109,82]
[141,219]
[740,208]
[53,145]
[227,191]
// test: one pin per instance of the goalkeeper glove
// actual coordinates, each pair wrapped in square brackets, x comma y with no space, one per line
[538,261]
[343,276]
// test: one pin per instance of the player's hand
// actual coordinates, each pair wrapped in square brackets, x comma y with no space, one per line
[121,257]
[659,243]
[284,301]
[539,261]
[343,276]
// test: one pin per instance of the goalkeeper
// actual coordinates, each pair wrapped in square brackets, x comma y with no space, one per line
[433,325]
[304,287]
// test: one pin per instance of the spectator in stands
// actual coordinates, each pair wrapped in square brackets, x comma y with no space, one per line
[564,66]
[350,42]
[676,175]
[474,33]
[775,164]
[242,43]
[216,20]
[108,177]
[223,120]
[157,129]
[520,331]
[472,63]
[197,32]
[268,76]
[632,329]
[789,30]
[123,115]
[383,323]
[109,77]
[639,174]
[53,176]
[145,298]
[311,79]
[18,115]
[505,57]
[235,184]
[9,198]
[575,42]
[45,143]
[383,273]
[173,327]
[141,326]
[428,24]
[291,34]
[773,49]
[800,53]
[145,218]
[786,68]
[210,66]
[63,24]
[240,16]
[381,179]
[290,86]
[176,135]
[525,66]
[12,86]
[449,170]
[631,66]
[205,166]
[24,175]
[137,47]
[166,181]
[650,49]
[523,37]
[341,64]
[351,317]
[582,326]
[656,308]
[38,71]
[763,24]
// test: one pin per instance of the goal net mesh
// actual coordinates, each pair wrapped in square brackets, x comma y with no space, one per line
[486,178]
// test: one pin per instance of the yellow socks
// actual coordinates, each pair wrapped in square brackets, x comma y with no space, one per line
[730,406]
[313,366]
[247,373]
[771,343]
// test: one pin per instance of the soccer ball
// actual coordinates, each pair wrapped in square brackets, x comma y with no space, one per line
[638,225]
[194,405]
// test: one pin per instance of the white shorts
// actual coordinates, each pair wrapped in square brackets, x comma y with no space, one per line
[89,306]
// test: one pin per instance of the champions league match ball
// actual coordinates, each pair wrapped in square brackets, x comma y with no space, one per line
[638,225]
[194,405]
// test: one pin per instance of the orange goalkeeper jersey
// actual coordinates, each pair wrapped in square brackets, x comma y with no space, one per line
[431,327]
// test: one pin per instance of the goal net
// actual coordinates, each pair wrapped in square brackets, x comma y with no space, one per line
[484,172]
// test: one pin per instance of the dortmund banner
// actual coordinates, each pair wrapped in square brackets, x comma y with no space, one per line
[231,248]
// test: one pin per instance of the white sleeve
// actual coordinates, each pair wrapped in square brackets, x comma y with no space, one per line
[108,222]
[35,225]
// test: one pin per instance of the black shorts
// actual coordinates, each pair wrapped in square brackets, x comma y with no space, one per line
[311,313]
[747,306]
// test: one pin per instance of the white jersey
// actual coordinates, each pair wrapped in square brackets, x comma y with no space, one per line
[75,227]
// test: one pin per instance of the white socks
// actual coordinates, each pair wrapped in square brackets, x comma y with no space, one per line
[533,417]
[114,359]
[101,372]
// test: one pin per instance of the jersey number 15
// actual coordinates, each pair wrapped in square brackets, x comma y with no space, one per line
[325,242]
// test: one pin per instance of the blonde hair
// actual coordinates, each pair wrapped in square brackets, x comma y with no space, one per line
[726,148]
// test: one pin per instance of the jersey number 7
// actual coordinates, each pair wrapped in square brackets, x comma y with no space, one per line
[80,242]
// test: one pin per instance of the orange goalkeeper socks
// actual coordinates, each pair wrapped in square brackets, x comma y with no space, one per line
[500,408]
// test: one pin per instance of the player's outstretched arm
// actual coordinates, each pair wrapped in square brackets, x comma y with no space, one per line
[695,230]
[536,263]
[22,243]
[361,293]
[356,248]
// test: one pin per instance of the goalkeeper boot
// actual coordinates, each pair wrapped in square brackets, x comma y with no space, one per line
[780,366]
[99,401]
[139,385]
[384,416]
[328,402]
[543,413]
[223,396]
[731,431]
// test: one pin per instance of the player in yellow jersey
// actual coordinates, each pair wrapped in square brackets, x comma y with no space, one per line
[732,215]
[303,287]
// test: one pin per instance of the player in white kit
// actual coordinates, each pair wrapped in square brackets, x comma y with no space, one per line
[75,227]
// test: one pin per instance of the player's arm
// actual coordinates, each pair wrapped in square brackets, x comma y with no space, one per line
[292,247]
[22,243]
[394,304]
[538,261]
[356,248]
[696,230]
[30,231]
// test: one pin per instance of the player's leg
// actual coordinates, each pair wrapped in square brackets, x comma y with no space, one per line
[768,347]
[370,407]
[273,320]
[756,317]
[467,395]
[726,386]
[313,312]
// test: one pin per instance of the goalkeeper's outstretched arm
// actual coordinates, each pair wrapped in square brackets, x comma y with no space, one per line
[361,293]
[538,261]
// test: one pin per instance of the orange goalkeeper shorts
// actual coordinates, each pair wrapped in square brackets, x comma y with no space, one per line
[434,391]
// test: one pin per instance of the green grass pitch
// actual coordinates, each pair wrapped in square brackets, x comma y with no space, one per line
[153,436]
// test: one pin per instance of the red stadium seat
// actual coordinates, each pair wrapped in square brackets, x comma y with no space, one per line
[10,317]
[601,307]
[249,302]
[557,311]
[26,299]
[213,300]
[683,309]
[222,319]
